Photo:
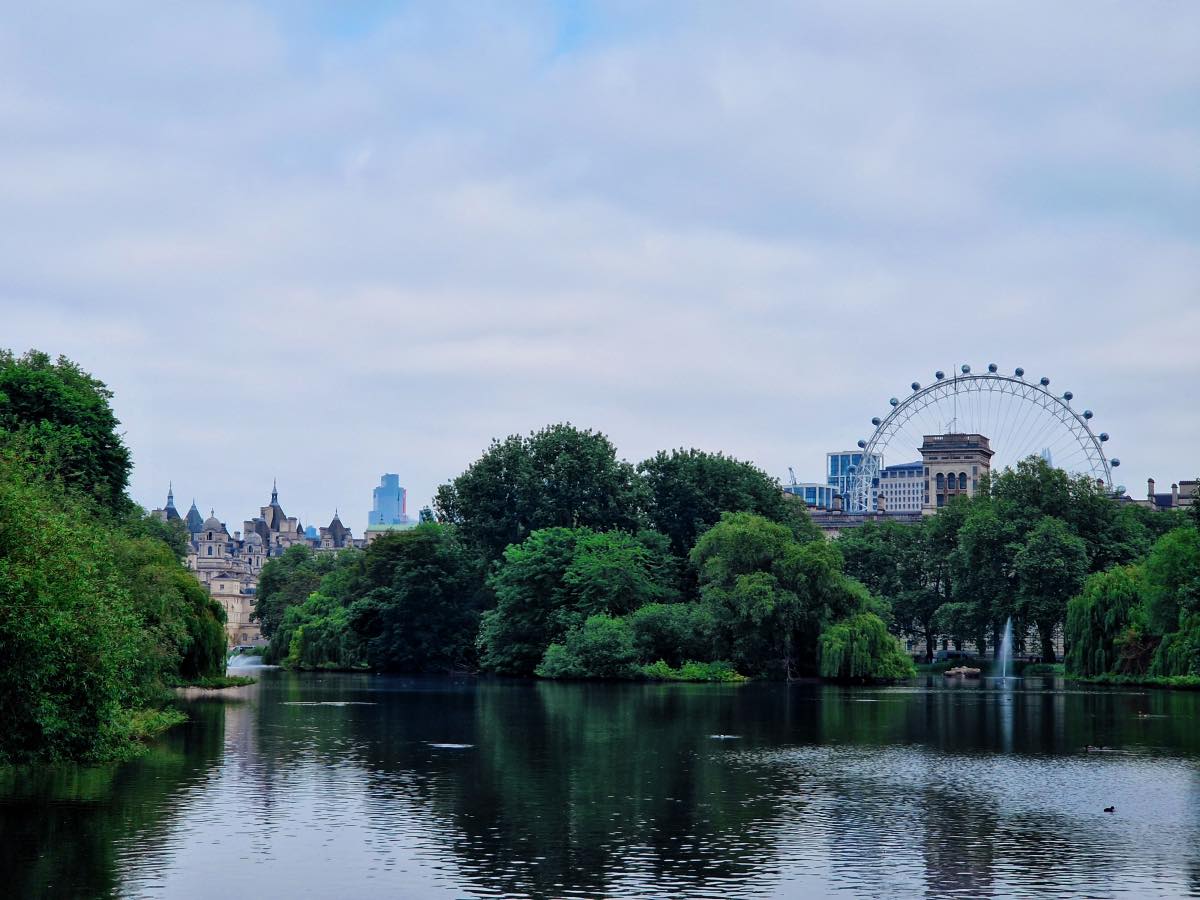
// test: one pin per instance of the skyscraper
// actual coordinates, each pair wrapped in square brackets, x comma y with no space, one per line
[391,502]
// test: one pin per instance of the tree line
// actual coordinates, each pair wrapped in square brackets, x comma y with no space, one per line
[1120,583]
[98,615]
[553,557]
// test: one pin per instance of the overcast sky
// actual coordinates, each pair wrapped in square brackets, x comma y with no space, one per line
[317,245]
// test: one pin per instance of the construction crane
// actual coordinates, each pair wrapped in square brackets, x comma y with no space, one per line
[792,475]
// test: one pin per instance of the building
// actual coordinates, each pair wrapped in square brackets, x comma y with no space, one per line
[228,565]
[953,465]
[1184,494]
[841,466]
[814,495]
[902,487]
[390,505]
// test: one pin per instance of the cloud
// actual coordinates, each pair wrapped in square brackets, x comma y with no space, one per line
[317,246]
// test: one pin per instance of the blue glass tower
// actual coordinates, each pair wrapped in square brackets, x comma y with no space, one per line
[390,502]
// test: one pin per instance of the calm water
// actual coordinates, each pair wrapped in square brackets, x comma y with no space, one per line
[360,786]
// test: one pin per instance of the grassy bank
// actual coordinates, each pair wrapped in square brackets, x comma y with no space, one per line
[219,682]
[1175,682]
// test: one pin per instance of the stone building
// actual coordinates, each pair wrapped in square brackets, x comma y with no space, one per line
[228,565]
[953,463]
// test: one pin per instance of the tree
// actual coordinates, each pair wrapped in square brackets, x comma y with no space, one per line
[1172,579]
[602,647]
[559,477]
[770,595]
[674,632]
[687,490]
[893,561]
[984,576]
[59,416]
[286,581]
[555,579]
[421,613]
[1050,568]
[1100,618]
[860,648]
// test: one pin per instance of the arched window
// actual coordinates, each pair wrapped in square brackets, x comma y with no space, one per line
[941,481]
[962,481]
[210,551]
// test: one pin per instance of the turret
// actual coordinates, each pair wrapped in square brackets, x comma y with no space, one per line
[1174,495]
[1150,489]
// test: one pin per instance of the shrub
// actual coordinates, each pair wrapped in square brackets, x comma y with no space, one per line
[693,671]
[600,648]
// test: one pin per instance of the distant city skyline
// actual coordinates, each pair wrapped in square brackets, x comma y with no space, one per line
[320,242]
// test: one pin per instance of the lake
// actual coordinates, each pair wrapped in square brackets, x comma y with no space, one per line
[336,785]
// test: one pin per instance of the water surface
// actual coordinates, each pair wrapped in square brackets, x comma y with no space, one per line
[367,786]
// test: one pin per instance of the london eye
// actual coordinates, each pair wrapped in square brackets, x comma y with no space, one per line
[1020,417]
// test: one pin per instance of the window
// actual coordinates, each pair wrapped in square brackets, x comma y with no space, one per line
[962,481]
[210,551]
[941,481]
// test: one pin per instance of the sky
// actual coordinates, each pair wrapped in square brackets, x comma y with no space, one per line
[318,242]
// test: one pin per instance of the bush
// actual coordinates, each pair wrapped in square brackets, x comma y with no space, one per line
[861,649]
[601,648]
[693,671]
[673,632]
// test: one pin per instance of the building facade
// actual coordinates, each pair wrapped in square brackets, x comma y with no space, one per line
[814,495]
[841,465]
[229,564]
[390,502]
[953,465]
[902,487]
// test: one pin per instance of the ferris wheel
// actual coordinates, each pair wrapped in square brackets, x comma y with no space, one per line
[1020,418]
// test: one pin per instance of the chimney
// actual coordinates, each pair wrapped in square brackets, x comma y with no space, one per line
[1150,489]
[1174,495]
[881,503]
[837,503]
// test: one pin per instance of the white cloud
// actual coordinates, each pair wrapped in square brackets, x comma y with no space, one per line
[317,253]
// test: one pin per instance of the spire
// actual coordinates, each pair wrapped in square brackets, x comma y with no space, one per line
[170,495]
[274,492]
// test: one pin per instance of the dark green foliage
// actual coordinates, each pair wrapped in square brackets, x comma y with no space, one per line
[307,589]
[423,601]
[1172,584]
[286,581]
[71,642]
[687,490]
[1099,618]
[860,648]
[559,477]
[1179,652]
[719,671]
[674,632]
[58,417]
[771,596]
[602,647]
[555,579]
[186,627]
[1050,567]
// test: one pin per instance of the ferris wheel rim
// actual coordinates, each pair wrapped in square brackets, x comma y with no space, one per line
[1013,385]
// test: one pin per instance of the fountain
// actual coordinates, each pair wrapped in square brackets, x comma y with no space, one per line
[1006,649]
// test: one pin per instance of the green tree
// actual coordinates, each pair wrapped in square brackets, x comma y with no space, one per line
[770,595]
[674,632]
[860,648]
[59,416]
[1172,580]
[286,581]
[1050,567]
[982,562]
[687,490]
[555,579]
[559,477]
[602,647]
[1100,618]
[421,611]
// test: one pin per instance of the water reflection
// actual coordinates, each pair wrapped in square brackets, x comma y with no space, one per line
[334,785]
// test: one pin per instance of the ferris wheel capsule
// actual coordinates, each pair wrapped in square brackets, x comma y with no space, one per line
[1045,382]
[966,370]
[876,421]
[862,445]
[894,402]
[1068,396]
[1104,435]
[1087,414]
[1114,462]
[939,374]
[916,385]
[993,368]
[1019,372]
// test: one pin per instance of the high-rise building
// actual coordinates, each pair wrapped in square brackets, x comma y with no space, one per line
[390,502]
